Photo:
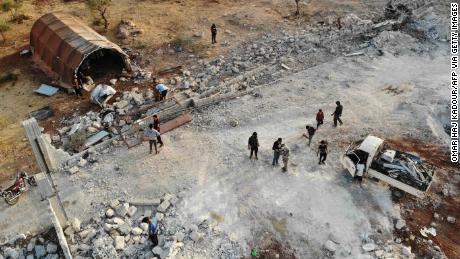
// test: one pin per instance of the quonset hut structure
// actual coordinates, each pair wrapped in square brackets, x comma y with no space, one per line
[65,49]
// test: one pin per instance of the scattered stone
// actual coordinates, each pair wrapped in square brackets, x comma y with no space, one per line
[76,224]
[51,248]
[163,206]
[114,204]
[122,210]
[136,231]
[195,236]
[82,162]
[379,253]
[52,256]
[369,247]
[285,67]
[40,251]
[56,138]
[118,221]
[330,246]
[451,219]
[234,123]
[180,236]
[11,253]
[119,243]
[109,213]
[144,226]
[445,191]
[131,211]
[74,170]
[406,250]
[113,81]
[400,224]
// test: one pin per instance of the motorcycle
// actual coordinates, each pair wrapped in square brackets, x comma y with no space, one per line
[11,194]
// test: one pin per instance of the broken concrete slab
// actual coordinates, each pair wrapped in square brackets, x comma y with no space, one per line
[163,206]
[96,138]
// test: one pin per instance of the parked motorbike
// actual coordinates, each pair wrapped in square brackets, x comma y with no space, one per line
[11,194]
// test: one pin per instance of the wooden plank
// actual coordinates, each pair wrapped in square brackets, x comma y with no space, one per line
[175,123]
[170,70]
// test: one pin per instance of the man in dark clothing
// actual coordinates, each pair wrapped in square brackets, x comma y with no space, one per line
[310,131]
[213,33]
[319,118]
[253,145]
[322,152]
[151,135]
[156,126]
[276,151]
[78,84]
[152,230]
[337,113]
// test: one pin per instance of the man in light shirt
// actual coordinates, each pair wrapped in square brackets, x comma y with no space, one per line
[151,134]
[163,89]
[359,172]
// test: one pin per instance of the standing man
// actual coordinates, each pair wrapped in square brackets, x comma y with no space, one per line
[319,118]
[337,113]
[322,152]
[152,230]
[156,126]
[276,151]
[311,131]
[151,134]
[161,88]
[253,145]
[213,33]
[285,154]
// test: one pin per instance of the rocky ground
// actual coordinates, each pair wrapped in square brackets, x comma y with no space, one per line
[212,202]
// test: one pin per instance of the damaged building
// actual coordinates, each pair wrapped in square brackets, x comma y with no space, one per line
[66,49]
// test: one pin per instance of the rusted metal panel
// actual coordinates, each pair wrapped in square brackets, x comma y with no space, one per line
[60,43]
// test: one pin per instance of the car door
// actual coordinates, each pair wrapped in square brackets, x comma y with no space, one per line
[348,162]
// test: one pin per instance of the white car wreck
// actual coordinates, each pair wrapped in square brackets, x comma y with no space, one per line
[401,170]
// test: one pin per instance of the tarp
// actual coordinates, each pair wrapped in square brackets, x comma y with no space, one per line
[101,94]
[60,43]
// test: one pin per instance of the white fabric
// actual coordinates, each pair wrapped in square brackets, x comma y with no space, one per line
[359,169]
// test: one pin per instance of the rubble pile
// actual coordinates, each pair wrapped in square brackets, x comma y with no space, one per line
[395,42]
[36,247]
[93,123]
[120,233]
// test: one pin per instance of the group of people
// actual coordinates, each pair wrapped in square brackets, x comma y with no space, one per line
[281,150]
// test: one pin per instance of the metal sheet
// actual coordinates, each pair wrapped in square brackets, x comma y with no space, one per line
[46,90]
[96,138]
[60,43]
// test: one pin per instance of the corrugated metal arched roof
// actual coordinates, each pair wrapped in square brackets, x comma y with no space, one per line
[60,43]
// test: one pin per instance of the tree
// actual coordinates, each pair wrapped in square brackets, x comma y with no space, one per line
[101,7]
[297,10]
[3,28]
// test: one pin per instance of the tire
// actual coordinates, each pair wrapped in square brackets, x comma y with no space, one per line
[11,199]
[32,181]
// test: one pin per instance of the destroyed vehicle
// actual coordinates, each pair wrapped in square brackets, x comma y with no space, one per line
[401,170]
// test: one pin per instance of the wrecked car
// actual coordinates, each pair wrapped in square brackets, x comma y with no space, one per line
[404,171]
